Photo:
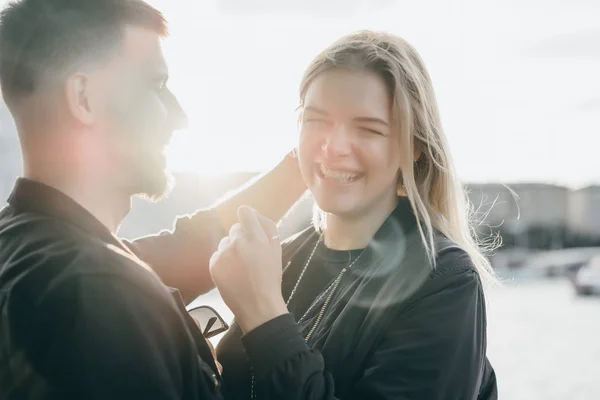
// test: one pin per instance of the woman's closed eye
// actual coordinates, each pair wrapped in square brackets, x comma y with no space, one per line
[368,130]
[316,121]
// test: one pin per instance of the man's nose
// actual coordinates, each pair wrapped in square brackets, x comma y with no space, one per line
[177,117]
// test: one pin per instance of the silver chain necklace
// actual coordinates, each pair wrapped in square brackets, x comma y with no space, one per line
[329,292]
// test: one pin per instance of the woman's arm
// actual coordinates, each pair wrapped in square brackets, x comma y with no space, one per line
[180,257]
[435,350]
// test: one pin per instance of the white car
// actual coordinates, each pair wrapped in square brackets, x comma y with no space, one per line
[587,279]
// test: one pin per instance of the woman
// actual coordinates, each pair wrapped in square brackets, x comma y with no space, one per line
[387,289]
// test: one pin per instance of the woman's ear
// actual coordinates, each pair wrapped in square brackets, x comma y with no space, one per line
[300,113]
[417,153]
[400,184]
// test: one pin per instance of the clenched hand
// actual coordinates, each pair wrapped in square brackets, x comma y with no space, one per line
[247,270]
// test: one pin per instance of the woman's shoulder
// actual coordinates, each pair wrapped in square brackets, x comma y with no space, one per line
[454,279]
[454,272]
[450,258]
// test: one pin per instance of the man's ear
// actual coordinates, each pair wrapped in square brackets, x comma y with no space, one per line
[79,97]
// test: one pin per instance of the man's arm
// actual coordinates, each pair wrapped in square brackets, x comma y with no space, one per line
[272,195]
[180,257]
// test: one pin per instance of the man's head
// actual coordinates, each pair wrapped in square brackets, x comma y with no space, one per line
[91,74]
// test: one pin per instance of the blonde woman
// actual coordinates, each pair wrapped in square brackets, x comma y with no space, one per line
[383,298]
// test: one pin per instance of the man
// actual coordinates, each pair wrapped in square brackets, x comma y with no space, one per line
[82,315]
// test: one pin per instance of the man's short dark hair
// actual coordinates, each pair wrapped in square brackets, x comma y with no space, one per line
[42,40]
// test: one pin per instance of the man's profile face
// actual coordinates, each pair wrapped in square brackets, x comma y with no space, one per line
[140,114]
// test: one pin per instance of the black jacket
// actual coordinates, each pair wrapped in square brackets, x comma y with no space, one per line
[82,317]
[396,329]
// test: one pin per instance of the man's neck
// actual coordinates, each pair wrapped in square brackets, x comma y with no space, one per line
[355,232]
[61,158]
[106,205]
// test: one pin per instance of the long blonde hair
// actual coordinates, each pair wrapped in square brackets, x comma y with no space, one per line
[430,182]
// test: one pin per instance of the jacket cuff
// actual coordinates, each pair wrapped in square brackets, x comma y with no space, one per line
[272,343]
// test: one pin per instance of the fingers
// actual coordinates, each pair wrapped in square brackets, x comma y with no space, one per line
[251,224]
[256,225]
[224,243]
[235,236]
[236,232]
[269,227]
[213,259]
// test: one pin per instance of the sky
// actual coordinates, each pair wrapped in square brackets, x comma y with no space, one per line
[517,81]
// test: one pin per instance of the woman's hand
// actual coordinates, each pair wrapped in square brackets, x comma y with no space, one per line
[247,270]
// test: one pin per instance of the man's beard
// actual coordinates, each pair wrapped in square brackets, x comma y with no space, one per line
[153,182]
[142,133]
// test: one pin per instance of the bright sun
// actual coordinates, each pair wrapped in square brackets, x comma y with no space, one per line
[213,155]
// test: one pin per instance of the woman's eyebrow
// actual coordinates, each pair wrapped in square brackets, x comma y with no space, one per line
[316,110]
[371,119]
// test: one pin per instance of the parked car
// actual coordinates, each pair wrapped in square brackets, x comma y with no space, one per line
[587,280]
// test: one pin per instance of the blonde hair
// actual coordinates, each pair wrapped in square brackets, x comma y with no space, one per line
[430,182]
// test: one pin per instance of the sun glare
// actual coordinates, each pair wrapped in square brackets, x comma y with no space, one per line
[211,155]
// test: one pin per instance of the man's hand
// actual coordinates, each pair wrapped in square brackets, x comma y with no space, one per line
[247,270]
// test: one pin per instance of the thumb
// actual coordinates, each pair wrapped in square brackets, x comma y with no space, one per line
[250,223]
[267,224]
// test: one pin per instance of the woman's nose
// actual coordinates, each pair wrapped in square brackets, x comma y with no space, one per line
[337,141]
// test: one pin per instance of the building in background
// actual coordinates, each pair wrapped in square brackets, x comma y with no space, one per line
[527,215]
[584,215]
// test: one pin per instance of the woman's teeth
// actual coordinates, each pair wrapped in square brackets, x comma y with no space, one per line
[339,176]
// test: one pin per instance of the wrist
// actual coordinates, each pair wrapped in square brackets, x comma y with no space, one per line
[292,155]
[257,314]
[293,174]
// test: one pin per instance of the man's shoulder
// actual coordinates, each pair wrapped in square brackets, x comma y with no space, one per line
[66,276]
[38,252]
[21,228]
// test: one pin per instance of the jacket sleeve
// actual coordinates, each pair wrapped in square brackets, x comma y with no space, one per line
[434,350]
[180,257]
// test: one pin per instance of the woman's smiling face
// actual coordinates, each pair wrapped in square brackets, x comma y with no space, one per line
[349,152]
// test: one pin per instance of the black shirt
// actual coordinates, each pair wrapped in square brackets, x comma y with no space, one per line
[83,317]
[325,266]
[396,329]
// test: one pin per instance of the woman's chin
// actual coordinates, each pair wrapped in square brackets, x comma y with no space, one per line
[336,207]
